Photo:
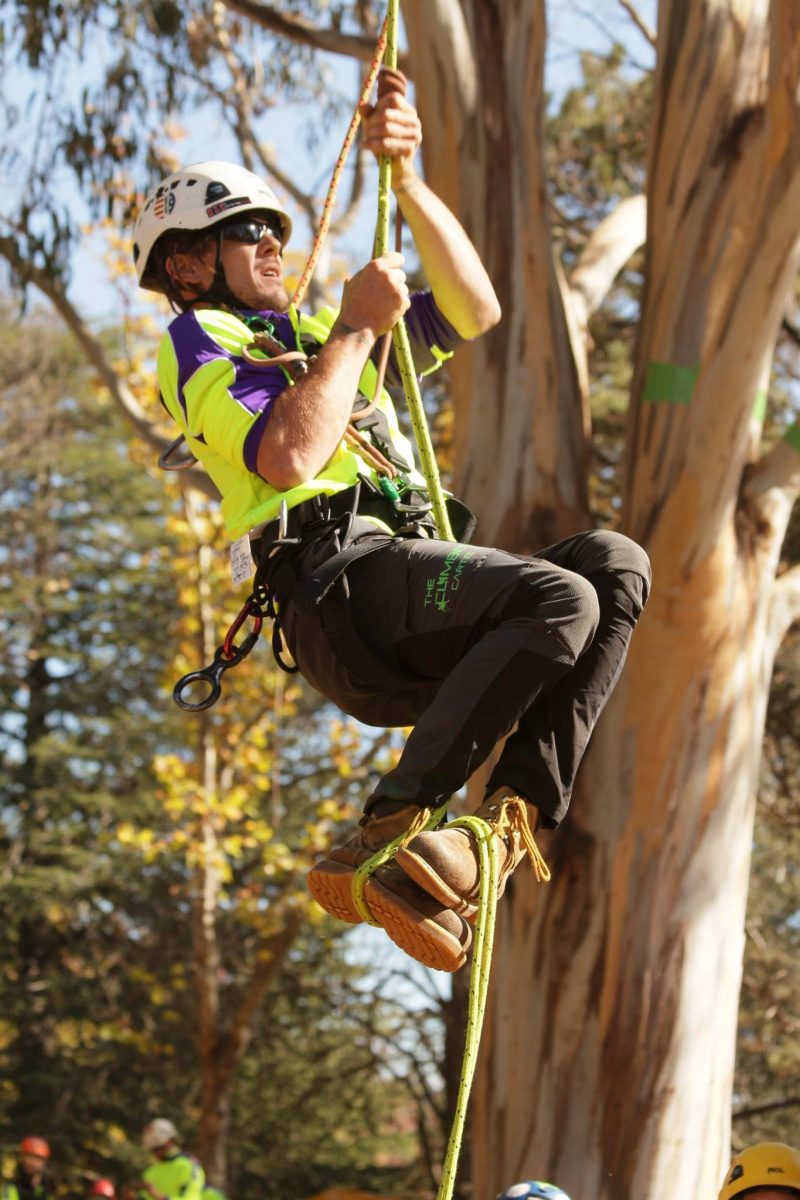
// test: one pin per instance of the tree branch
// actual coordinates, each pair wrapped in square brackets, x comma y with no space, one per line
[639,21]
[755,1110]
[791,330]
[784,605]
[271,957]
[779,468]
[609,247]
[97,357]
[298,29]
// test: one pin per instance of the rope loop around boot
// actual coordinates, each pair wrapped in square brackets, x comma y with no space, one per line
[427,819]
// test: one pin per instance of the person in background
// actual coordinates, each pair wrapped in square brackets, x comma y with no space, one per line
[212,1193]
[29,1178]
[766,1171]
[103,1188]
[174,1175]
[533,1189]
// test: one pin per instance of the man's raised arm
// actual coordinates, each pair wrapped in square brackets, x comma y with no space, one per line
[459,282]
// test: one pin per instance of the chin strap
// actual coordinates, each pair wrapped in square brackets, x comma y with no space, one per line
[218,291]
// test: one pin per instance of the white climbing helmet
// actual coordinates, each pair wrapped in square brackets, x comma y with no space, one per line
[198,197]
[158,1133]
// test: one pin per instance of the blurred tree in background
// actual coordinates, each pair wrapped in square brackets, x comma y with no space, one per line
[209,854]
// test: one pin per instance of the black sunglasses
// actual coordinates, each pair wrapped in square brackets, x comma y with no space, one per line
[250,233]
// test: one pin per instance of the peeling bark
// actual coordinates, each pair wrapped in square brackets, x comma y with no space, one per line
[521,449]
[608,1055]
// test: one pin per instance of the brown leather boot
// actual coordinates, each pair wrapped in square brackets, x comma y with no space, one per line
[415,922]
[445,861]
[330,880]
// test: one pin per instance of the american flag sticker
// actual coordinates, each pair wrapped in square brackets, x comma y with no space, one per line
[165,202]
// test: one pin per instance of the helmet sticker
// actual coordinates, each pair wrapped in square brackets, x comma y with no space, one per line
[232,202]
[165,203]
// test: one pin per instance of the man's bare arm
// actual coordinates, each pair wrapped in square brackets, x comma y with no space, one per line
[308,420]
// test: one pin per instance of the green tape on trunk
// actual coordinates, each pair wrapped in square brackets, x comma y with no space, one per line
[792,436]
[668,384]
[760,406]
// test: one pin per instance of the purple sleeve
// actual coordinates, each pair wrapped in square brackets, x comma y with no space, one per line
[427,327]
[254,388]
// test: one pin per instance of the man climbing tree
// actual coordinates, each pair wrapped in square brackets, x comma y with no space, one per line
[392,624]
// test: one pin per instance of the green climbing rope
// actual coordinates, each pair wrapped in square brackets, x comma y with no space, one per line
[478,990]
[482,832]
[400,340]
[481,960]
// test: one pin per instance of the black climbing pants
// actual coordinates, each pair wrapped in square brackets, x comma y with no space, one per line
[477,643]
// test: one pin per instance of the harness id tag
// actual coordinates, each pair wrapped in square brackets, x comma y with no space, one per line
[241,560]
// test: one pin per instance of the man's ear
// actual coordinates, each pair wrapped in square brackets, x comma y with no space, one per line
[188,271]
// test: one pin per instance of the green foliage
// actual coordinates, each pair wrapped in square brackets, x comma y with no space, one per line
[324,1099]
[71,150]
[85,628]
[114,829]
[596,145]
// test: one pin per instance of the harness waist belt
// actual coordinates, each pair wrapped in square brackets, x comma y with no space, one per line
[303,514]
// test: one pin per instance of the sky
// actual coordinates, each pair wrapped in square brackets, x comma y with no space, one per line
[573,26]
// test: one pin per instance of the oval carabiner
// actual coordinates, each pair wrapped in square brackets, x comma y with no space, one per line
[227,655]
[211,676]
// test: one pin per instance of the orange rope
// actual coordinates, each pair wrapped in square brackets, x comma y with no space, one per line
[327,208]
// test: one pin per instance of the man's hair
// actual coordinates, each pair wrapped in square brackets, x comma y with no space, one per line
[177,241]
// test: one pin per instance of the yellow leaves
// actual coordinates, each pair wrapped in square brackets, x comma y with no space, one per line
[129,835]
[76,1034]
[56,913]
[8,1032]
[279,859]
[159,996]
[329,810]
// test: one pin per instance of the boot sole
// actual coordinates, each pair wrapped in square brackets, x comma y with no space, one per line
[421,872]
[330,883]
[420,938]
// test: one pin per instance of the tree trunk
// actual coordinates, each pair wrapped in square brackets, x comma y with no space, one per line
[608,1054]
[521,447]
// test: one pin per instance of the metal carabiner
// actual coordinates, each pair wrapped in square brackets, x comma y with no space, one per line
[210,675]
[227,655]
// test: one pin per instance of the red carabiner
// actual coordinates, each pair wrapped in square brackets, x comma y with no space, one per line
[250,609]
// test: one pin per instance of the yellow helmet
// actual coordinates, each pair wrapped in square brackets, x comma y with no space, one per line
[766,1165]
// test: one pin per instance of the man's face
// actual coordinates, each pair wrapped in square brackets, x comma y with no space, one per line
[251,259]
[768,1193]
[32,1164]
[255,271]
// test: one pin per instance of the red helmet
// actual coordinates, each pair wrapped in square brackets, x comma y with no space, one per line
[34,1145]
[103,1187]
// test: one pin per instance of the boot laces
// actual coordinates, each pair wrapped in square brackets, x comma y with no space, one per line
[419,823]
[513,819]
